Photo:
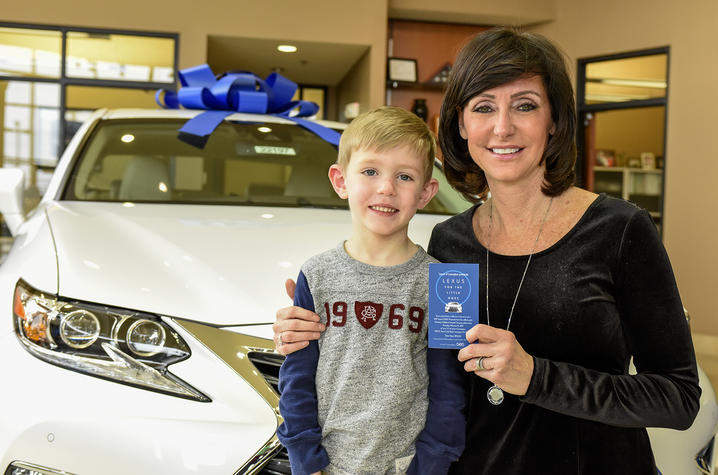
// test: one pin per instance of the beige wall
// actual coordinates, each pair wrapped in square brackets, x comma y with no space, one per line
[585,28]
[351,87]
[477,12]
[336,21]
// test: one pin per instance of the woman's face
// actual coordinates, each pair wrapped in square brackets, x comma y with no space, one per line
[507,128]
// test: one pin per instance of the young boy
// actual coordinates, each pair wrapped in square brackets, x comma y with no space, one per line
[360,401]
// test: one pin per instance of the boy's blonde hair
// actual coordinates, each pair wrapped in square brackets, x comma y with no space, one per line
[385,128]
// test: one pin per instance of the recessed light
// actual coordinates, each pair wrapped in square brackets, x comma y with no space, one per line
[287,48]
[127,138]
[264,130]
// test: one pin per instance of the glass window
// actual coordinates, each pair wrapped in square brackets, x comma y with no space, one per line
[120,57]
[30,125]
[628,79]
[242,163]
[28,52]
[616,130]
[83,100]
[93,97]
[31,109]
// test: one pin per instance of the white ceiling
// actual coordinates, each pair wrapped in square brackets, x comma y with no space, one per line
[313,64]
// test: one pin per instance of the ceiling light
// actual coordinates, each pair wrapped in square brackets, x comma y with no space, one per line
[127,138]
[264,130]
[287,48]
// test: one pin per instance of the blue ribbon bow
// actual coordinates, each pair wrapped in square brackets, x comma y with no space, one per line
[236,92]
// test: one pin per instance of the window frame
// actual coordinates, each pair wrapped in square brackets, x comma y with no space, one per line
[64,81]
[584,111]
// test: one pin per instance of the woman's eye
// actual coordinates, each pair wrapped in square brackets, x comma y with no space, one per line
[482,109]
[369,172]
[526,107]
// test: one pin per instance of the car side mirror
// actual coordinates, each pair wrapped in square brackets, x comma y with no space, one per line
[12,182]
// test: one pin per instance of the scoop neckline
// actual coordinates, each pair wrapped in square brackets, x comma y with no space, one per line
[600,198]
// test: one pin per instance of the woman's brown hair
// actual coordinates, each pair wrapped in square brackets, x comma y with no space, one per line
[493,58]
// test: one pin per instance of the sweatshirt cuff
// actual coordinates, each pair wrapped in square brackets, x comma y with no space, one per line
[307,457]
[425,462]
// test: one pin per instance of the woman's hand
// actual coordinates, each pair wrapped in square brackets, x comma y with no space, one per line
[505,362]
[295,326]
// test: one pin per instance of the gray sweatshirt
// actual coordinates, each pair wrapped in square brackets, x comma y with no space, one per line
[371,374]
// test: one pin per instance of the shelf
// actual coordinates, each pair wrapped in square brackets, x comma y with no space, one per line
[639,186]
[656,171]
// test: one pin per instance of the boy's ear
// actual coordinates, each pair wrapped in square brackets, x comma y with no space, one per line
[430,189]
[336,176]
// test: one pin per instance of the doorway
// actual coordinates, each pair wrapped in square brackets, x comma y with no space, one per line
[622,109]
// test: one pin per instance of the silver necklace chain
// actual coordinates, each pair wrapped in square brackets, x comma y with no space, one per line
[496,394]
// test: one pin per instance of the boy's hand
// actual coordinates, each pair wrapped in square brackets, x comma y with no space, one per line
[290,286]
[295,326]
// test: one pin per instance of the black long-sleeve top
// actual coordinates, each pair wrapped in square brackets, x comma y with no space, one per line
[601,294]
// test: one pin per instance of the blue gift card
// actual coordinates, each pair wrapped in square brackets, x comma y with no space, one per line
[453,303]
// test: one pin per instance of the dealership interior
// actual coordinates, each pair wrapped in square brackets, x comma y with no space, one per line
[644,76]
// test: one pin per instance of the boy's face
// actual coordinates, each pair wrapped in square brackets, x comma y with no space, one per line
[384,189]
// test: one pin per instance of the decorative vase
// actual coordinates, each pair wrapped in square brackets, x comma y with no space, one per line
[419,108]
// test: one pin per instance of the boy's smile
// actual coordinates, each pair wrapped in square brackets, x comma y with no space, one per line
[384,190]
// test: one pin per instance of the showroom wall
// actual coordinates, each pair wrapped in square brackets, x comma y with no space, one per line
[582,28]
[338,21]
[585,29]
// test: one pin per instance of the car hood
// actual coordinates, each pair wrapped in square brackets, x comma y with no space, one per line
[224,265]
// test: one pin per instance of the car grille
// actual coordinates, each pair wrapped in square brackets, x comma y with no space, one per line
[704,459]
[278,465]
[268,364]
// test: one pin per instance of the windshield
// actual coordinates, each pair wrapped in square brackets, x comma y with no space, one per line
[267,164]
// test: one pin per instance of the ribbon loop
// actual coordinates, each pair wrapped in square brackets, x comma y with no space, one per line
[236,92]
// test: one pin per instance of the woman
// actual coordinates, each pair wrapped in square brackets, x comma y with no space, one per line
[572,284]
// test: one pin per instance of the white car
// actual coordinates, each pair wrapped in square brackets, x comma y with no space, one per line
[139,295]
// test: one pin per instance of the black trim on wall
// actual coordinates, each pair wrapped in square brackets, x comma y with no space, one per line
[583,109]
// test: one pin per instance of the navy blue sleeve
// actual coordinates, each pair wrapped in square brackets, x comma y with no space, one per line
[442,440]
[300,432]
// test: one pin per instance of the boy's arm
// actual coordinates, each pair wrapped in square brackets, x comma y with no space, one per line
[300,432]
[442,440]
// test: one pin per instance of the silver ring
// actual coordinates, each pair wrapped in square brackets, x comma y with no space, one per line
[480,363]
[279,340]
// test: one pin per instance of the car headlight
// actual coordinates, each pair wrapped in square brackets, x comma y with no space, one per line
[113,343]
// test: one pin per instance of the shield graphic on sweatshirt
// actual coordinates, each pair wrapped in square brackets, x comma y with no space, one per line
[368,313]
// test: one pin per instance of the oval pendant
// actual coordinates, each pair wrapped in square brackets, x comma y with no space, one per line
[495,395]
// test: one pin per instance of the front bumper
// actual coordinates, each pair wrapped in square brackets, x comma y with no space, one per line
[73,423]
